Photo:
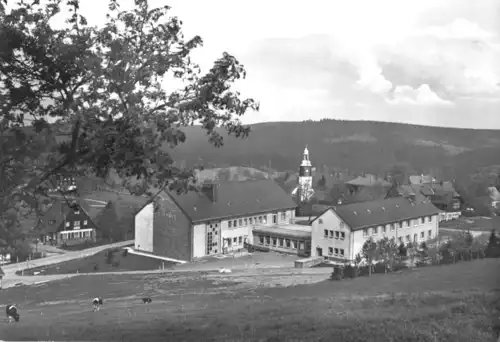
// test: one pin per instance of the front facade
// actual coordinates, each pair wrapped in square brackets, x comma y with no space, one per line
[220,219]
[65,225]
[339,233]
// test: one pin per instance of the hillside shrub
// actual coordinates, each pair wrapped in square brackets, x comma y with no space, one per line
[351,271]
[380,268]
[125,252]
[338,273]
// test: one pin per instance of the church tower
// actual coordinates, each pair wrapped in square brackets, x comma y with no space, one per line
[305,177]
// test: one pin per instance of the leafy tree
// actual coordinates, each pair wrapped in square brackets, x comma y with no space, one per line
[468,239]
[387,250]
[370,252]
[103,87]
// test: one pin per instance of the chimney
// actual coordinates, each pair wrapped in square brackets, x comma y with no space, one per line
[209,188]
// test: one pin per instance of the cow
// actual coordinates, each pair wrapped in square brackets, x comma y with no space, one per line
[97,302]
[12,313]
[146,300]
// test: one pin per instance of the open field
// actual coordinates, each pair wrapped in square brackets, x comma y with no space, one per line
[441,303]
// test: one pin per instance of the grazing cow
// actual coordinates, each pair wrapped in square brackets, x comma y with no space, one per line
[97,302]
[146,300]
[12,313]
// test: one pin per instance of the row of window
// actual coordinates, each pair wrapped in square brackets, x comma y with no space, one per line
[334,234]
[235,241]
[398,225]
[76,224]
[280,242]
[242,222]
[75,235]
[338,252]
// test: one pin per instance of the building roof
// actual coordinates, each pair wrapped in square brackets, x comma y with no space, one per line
[373,213]
[421,179]
[125,206]
[234,199]
[281,231]
[369,180]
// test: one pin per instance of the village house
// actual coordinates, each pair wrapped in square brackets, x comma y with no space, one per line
[221,218]
[340,232]
[102,215]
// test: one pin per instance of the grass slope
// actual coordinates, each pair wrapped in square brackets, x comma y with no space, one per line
[131,262]
[442,303]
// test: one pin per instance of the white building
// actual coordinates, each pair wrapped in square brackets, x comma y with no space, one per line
[340,232]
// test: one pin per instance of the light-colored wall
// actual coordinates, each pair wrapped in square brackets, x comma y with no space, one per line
[144,229]
[416,227]
[199,240]
[243,230]
[331,222]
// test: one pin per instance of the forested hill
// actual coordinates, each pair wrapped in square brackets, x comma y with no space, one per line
[360,146]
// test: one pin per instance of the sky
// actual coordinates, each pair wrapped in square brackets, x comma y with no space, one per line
[429,62]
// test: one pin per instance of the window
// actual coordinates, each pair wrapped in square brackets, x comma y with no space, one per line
[429,219]
[85,222]
[260,219]
[320,221]
[330,250]
[280,241]
[240,240]
[342,235]
[384,229]
[268,240]
[408,223]
[229,242]
[400,224]
[422,220]
[336,251]
[365,232]
[283,216]
[337,235]
[264,218]
[400,239]
[341,252]
[294,244]
[392,227]
[301,245]
[408,238]
[261,239]
[429,233]
[245,222]
[240,222]
[331,234]
[52,221]
[275,241]
[235,223]
[67,224]
[326,233]
[275,218]
[287,242]
[76,224]
[422,235]
[250,220]
[375,230]
[235,239]
[341,224]
[415,237]
[77,212]
[230,224]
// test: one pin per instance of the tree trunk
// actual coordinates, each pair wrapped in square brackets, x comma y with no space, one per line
[370,269]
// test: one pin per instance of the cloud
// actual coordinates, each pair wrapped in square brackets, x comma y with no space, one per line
[425,62]
[422,95]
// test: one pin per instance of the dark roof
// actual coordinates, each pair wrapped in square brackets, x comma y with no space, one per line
[277,231]
[368,214]
[125,206]
[234,199]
